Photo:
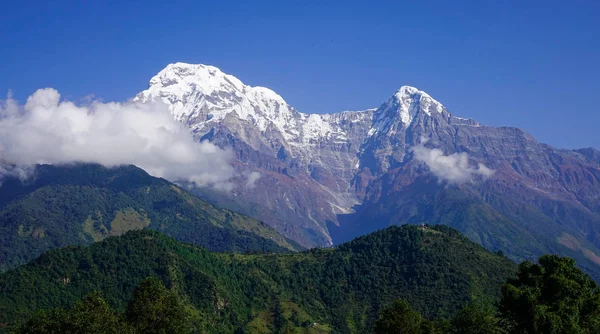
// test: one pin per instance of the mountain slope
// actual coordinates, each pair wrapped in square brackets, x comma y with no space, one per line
[304,158]
[326,174]
[538,200]
[79,204]
[341,289]
[497,222]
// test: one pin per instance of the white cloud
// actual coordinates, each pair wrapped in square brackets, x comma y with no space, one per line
[20,172]
[252,178]
[48,131]
[454,167]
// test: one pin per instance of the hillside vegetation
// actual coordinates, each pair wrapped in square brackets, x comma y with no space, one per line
[80,204]
[341,289]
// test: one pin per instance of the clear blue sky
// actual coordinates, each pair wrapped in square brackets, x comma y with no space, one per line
[531,64]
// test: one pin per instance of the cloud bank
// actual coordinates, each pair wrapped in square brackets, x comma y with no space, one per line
[453,168]
[47,130]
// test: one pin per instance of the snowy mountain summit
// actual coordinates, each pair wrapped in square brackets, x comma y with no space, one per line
[202,96]
[326,153]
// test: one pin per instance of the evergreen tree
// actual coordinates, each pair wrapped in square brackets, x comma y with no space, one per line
[475,318]
[156,309]
[50,321]
[90,315]
[399,318]
[553,296]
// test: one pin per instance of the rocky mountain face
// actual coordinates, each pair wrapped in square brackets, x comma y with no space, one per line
[306,161]
[410,160]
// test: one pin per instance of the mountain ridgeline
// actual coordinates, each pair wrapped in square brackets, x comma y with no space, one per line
[79,204]
[340,289]
[325,180]
[328,178]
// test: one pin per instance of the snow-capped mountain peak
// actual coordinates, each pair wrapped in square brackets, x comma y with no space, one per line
[204,98]
[200,95]
[403,106]
[409,100]
[181,78]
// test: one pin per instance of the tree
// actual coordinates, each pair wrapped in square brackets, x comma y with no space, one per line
[94,315]
[399,318]
[475,318]
[156,309]
[553,296]
[90,315]
[50,321]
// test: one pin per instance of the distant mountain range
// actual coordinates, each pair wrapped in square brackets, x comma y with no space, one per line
[328,178]
[340,290]
[82,203]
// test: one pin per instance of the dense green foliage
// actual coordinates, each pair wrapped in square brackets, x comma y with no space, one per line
[79,204]
[399,318]
[551,297]
[540,300]
[475,318]
[153,309]
[90,315]
[340,290]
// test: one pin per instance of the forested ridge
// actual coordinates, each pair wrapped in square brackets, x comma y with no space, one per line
[82,203]
[340,289]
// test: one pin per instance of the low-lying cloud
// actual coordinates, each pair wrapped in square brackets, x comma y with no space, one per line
[47,130]
[454,167]
[252,178]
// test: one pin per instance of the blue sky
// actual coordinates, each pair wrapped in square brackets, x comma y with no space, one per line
[530,64]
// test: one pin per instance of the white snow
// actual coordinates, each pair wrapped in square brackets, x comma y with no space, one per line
[405,103]
[412,100]
[202,96]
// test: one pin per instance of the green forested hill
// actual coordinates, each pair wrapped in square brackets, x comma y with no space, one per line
[79,204]
[341,289]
